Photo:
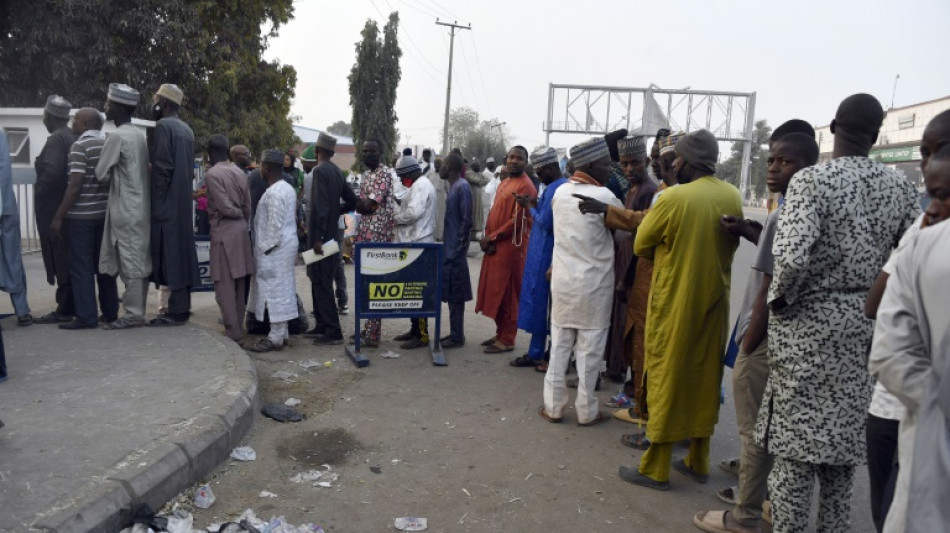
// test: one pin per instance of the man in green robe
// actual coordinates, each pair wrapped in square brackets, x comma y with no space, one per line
[688,311]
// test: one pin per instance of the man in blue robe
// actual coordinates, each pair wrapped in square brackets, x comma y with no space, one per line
[533,302]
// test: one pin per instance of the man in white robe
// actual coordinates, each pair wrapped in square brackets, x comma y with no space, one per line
[415,219]
[582,285]
[910,357]
[275,251]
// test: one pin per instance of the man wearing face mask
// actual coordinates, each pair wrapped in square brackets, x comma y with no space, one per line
[376,204]
[174,261]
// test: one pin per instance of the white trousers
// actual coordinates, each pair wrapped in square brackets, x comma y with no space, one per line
[278,332]
[588,347]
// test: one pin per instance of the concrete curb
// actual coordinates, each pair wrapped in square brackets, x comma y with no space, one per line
[155,474]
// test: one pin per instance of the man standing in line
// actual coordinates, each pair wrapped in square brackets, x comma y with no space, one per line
[688,311]
[174,259]
[505,243]
[415,222]
[52,175]
[619,354]
[241,157]
[275,251]
[582,283]
[123,163]
[477,181]
[456,282]
[535,287]
[377,203]
[787,155]
[840,220]
[430,171]
[12,275]
[329,189]
[492,174]
[909,357]
[84,206]
[231,257]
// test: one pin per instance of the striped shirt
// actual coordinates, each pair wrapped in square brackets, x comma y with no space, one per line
[93,196]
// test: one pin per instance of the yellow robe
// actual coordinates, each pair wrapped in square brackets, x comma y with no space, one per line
[688,312]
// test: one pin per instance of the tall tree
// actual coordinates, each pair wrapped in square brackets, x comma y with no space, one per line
[340,128]
[730,169]
[474,137]
[373,82]
[212,49]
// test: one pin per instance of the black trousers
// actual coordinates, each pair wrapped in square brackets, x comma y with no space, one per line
[419,328]
[179,305]
[882,465]
[321,276]
[457,321]
[3,357]
[85,239]
[340,276]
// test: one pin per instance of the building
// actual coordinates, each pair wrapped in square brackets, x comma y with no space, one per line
[898,144]
[27,135]
[345,148]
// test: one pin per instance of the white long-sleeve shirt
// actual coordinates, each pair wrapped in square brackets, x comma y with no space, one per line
[415,215]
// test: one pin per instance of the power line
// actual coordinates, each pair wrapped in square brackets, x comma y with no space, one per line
[478,66]
[470,78]
[454,16]
[409,52]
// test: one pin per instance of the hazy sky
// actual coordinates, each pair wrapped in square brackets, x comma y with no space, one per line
[801,57]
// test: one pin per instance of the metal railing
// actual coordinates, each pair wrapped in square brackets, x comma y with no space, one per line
[23,180]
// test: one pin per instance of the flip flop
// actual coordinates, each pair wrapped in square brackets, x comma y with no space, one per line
[715,522]
[730,465]
[620,401]
[728,494]
[163,321]
[626,415]
[542,367]
[498,348]
[490,341]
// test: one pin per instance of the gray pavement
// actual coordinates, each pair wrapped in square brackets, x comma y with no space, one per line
[98,421]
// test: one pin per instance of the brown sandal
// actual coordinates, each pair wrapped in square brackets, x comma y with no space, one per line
[542,367]
[637,441]
[490,341]
[497,347]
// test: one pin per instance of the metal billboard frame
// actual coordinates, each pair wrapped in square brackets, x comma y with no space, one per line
[596,103]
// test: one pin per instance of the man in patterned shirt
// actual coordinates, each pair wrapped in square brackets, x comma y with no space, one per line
[376,204]
[839,222]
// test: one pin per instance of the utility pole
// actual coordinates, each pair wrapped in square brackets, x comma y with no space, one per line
[448,88]
[894,92]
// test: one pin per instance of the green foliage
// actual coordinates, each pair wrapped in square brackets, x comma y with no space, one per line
[730,169]
[212,49]
[340,127]
[373,82]
[476,138]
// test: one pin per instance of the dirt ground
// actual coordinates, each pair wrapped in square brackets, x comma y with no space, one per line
[461,445]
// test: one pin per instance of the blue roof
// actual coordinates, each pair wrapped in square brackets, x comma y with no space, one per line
[309,135]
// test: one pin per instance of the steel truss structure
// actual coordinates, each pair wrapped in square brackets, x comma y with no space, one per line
[588,109]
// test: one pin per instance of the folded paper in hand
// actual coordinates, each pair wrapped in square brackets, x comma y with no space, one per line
[329,248]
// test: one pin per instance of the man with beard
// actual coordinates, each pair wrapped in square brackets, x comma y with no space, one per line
[174,259]
[535,287]
[52,175]
[505,243]
[123,164]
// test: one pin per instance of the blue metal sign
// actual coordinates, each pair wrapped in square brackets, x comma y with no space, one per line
[398,280]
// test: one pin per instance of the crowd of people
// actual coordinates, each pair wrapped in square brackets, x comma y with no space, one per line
[605,265]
